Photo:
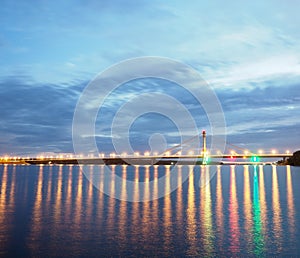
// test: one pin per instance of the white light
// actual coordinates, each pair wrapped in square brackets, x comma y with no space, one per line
[136,154]
[146,153]
[191,152]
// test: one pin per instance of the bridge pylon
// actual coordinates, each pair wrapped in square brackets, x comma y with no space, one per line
[204,151]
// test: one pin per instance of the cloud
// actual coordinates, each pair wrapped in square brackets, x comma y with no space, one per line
[36,116]
[250,57]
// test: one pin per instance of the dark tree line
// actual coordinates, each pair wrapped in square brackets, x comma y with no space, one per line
[295,160]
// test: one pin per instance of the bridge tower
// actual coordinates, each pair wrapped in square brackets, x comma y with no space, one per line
[204,141]
[204,154]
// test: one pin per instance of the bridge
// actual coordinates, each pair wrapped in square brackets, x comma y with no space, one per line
[153,159]
[165,158]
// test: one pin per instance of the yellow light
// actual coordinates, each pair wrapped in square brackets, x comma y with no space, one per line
[273,151]
[167,153]
[287,152]
[260,151]
[155,153]
[147,153]
[246,152]
[136,154]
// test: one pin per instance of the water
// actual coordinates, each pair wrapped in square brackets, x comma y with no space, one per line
[242,211]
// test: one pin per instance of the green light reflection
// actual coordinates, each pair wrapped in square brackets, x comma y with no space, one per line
[257,223]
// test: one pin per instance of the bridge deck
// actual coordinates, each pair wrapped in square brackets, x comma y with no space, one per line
[159,160]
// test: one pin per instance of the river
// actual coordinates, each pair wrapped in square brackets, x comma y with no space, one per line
[224,210]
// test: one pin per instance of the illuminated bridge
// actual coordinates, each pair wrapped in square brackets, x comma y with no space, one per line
[153,159]
[166,158]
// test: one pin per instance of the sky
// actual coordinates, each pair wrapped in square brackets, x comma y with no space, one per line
[248,52]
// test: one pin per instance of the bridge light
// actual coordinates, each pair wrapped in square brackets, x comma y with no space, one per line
[273,151]
[255,159]
[155,153]
[260,151]
[206,160]
[191,152]
[246,152]
[147,153]
[136,154]
[287,152]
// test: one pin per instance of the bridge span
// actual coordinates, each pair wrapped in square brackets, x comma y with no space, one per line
[214,159]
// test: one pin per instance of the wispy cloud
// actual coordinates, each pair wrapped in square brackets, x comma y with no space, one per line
[249,56]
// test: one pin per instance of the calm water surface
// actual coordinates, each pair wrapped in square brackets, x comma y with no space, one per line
[242,211]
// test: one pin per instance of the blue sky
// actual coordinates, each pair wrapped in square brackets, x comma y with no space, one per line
[249,52]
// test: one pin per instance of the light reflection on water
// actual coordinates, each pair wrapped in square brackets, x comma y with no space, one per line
[241,211]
